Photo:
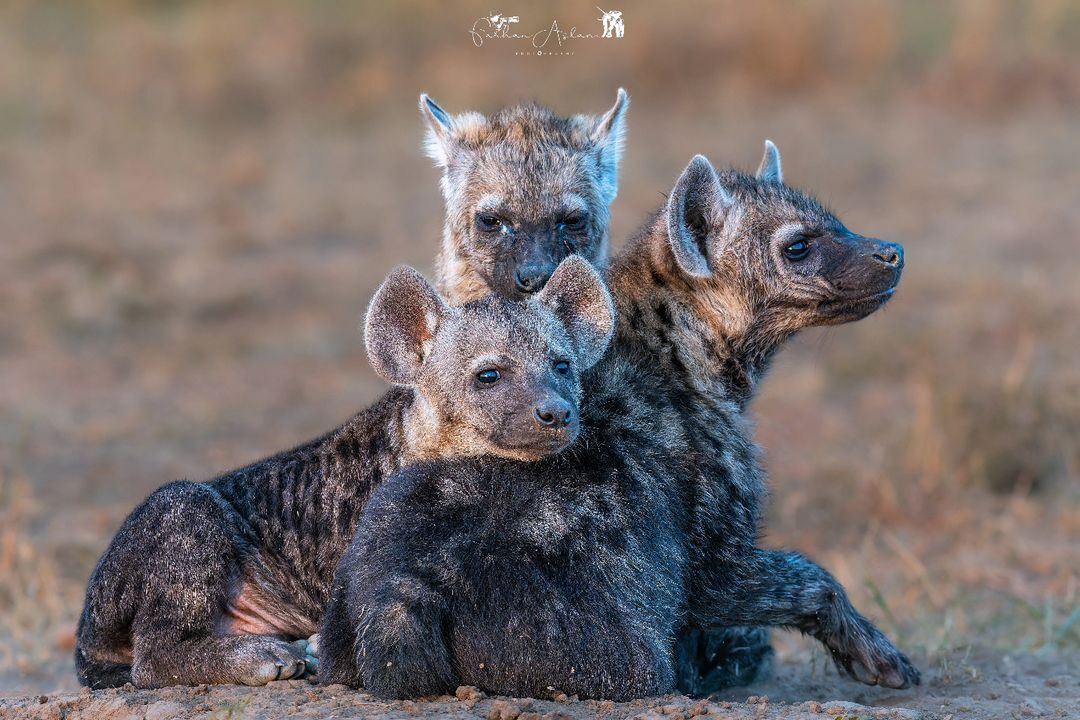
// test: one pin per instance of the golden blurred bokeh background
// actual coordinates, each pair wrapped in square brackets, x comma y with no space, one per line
[198,199]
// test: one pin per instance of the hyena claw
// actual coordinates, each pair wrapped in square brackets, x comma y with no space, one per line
[269,660]
[871,658]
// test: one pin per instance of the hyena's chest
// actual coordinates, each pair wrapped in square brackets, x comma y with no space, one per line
[566,590]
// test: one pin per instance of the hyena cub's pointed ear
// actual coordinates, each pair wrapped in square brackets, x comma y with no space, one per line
[445,131]
[697,202]
[609,136]
[578,297]
[440,137]
[400,325]
[770,169]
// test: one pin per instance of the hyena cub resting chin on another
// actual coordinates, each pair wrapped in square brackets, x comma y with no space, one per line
[208,582]
[524,188]
[578,571]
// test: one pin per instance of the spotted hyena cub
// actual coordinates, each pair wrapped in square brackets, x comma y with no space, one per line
[579,571]
[220,582]
[209,582]
[524,188]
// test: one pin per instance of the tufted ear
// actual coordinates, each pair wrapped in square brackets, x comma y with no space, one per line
[445,131]
[770,169]
[578,297]
[440,128]
[696,201]
[609,136]
[401,323]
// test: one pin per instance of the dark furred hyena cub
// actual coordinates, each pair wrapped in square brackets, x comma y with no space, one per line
[524,188]
[579,570]
[208,582]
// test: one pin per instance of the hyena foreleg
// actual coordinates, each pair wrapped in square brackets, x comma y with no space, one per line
[786,589]
[383,628]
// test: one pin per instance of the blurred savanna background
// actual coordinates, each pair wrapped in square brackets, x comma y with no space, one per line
[197,201]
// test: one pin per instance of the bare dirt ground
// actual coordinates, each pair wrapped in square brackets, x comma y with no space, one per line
[197,201]
[976,687]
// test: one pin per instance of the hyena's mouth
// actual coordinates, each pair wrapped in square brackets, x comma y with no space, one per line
[542,445]
[844,310]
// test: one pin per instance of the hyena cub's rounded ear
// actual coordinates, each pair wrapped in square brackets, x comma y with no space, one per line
[577,295]
[696,202]
[609,137]
[770,169]
[400,324]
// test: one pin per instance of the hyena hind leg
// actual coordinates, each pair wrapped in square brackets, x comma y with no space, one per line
[158,592]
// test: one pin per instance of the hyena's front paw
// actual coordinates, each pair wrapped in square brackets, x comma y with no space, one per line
[867,655]
[260,660]
[396,670]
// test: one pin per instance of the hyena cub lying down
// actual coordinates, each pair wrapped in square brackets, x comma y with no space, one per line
[207,582]
[577,571]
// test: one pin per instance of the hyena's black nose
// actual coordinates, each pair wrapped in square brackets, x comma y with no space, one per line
[531,278]
[554,413]
[891,254]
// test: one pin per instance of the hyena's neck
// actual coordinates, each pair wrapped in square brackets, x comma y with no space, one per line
[421,425]
[703,332]
[429,434]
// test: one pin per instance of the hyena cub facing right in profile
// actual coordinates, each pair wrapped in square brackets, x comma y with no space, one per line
[524,189]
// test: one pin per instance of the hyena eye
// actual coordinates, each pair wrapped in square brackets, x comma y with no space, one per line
[574,224]
[797,249]
[562,367]
[489,223]
[488,377]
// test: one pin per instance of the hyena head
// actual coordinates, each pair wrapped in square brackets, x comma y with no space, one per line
[777,259]
[493,376]
[524,189]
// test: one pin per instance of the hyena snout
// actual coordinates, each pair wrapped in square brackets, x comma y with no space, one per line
[531,278]
[554,413]
[874,266]
[538,429]
[889,254]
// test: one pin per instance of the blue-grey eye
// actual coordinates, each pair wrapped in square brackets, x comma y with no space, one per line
[797,250]
[562,367]
[487,377]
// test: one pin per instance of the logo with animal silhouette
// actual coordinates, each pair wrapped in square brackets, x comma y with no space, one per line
[550,39]
[612,22]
